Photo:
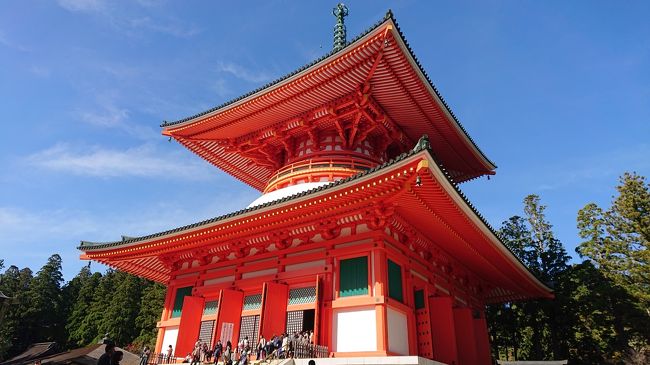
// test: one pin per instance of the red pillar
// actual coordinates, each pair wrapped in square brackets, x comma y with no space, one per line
[381,289]
[465,338]
[482,340]
[325,301]
[190,324]
[230,306]
[274,309]
[443,332]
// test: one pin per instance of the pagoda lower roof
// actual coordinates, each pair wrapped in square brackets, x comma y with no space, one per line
[379,57]
[436,208]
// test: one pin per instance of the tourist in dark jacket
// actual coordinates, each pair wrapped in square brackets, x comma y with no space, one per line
[105,359]
[117,357]
[218,349]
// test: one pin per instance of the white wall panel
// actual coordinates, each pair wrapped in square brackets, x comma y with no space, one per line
[171,335]
[398,338]
[355,330]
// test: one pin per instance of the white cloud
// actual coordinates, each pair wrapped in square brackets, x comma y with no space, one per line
[221,88]
[39,71]
[143,161]
[88,6]
[108,114]
[110,117]
[243,73]
[170,27]
[5,41]
[574,172]
[28,237]
[128,18]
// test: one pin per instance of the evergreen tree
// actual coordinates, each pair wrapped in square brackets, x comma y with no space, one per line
[81,331]
[15,331]
[69,294]
[45,310]
[123,308]
[151,305]
[600,317]
[617,240]
[531,328]
[96,319]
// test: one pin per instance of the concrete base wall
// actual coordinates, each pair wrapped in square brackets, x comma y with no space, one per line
[387,360]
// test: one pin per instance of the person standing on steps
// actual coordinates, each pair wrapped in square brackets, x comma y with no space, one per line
[218,349]
[144,357]
[170,352]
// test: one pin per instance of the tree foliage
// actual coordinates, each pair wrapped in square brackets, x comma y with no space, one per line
[617,239]
[528,330]
[79,312]
[600,311]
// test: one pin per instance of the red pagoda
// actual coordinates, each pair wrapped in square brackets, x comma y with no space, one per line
[361,235]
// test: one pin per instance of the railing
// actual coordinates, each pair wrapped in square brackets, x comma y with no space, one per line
[158,358]
[304,350]
[324,163]
[298,350]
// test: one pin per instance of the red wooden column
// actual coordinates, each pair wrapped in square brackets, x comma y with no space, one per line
[482,340]
[229,315]
[326,295]
[465,338]
[380,288]
[318,310]
[275,298]
[190,324]
[443,331]
[407,291]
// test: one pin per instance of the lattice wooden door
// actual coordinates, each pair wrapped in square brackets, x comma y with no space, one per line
[250,326]
[294,321]
[205,333]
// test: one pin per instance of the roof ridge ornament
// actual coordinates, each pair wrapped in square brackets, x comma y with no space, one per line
[423,144]
[340,12]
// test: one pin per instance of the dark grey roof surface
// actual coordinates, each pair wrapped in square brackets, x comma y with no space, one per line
[389,16]
[34,351]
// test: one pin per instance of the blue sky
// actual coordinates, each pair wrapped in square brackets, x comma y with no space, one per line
[557,93]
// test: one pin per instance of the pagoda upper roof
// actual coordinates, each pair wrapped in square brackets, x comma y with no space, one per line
[380,57]
[437,208]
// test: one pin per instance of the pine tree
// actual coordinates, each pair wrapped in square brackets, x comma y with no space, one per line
[45,309]
[151,305]
[69,293]
[531,328]
[15,332]
[123,308]
[80,330]
[96,321]
[617,240]
[600,317]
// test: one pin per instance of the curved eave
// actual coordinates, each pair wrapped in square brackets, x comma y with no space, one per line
[183,130]
[480,223]
[499,258]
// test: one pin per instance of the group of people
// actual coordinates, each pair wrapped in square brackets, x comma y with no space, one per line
[227,355]
[280,346]
[166,358]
